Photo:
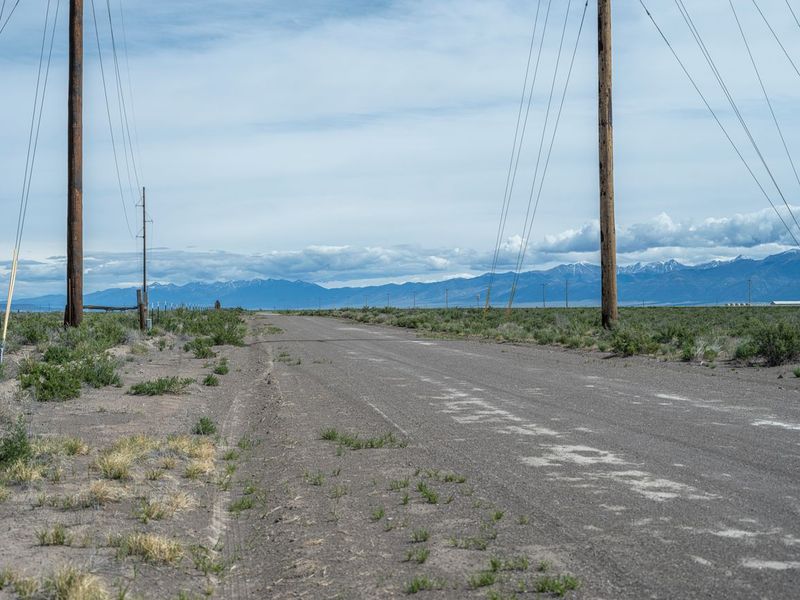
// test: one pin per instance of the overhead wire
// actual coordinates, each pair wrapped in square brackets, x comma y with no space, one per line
[709,59]
[42,79]
[121,105]
[516,150]
[794,14]
[764,90]
[530,217]
[140,163]
[717,119]
[777,38]
[110,120]
[10,14]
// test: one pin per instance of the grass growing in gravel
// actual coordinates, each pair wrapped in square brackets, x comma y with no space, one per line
[423,584]
[160,387]
[70,583]
[222,367]
[354,442]
[431,497]
[558,585]
[211,380]
[419,536]
[54,536]
[147,546]
[204,426]
[418,555]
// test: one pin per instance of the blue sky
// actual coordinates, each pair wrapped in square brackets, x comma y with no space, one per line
[349,142]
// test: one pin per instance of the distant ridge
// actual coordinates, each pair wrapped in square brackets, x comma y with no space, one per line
[776,277]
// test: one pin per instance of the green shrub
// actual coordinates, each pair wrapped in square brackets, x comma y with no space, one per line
[99,371]
[211,381]
[204,426]
[201,347]
[15,444]
[222,368]
[745,350]
[777,343]
[160,387]
[50,382]
[629,341]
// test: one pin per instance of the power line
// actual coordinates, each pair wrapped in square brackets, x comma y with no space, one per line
[130,89]
[110,121]
[527,235]
[766,95]
[709,59]
[791,10]
[30,159]
[513,173]
[716,118]
[10,14]
[121,104]
[775,35]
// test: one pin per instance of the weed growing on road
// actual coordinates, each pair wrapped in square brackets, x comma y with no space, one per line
[419,536]
[338,491]
[204,426]
[431,497]
[314,478]
[398,484]
[482,579]
[423,584]
[558,585]
[211,381]
[497,515]
[418,555]
[70,583]
[404,500]
[469,543]
[378,513]
[161,386]
[240,505]
[354,442]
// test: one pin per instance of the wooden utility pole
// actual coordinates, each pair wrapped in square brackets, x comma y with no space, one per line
[74,311]
[608,235]
[144,247]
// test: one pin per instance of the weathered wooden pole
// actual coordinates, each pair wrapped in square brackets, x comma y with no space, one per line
[608,235]
[74,311]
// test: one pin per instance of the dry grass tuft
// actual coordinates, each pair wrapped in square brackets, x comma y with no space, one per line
[25,587]
[69,583]
[21,471]
[101,493]
[178,501]
[115,464]
[149,547]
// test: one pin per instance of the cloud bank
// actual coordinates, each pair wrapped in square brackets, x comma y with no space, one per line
[756,234]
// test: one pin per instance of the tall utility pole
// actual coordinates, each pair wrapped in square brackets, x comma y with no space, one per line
[544,295]
[749,292]
[608,235]
[566,293]
[74,312]
[144,246]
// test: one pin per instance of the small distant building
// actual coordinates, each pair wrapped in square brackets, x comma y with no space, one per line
[785,303]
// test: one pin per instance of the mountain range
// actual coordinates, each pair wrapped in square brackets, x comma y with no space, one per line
[662,283]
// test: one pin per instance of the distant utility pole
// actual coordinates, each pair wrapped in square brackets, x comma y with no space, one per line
[544,295]
[387,301]
[608,236]
[566,293]
[74,312]
[414,305]
[446,301]
[144,302]
[749,292]
[366,304]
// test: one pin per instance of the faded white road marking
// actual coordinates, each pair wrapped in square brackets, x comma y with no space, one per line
[652,487]
[385,416]
[767,423]
[577,455]
[528,429]
[775,565]
[701,561]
